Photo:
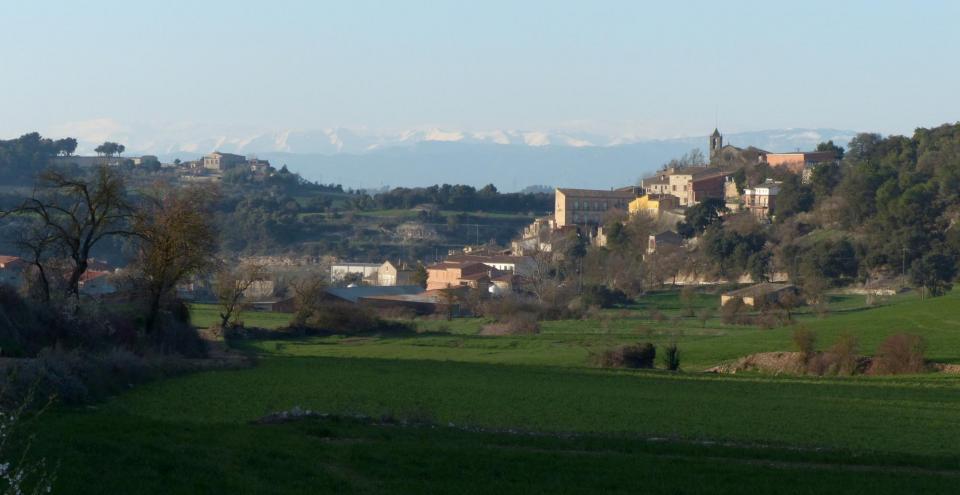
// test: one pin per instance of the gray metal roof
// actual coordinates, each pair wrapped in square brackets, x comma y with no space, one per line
[353,294]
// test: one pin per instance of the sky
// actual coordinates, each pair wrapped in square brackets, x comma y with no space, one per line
[650,69]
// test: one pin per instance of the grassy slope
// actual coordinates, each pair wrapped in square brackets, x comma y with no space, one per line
[570,342]
[193,434]
[141,455]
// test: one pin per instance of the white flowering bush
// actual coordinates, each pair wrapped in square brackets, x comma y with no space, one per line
[20,475]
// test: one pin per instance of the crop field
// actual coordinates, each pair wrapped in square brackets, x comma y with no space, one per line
[450,411]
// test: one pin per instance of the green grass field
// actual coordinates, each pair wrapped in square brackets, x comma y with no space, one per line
[526,414]
[204,315]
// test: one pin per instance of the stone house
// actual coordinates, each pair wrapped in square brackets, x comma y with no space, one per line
[459,274]
[222,161]
[393,274]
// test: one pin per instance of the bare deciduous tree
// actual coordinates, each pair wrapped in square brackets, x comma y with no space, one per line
[308,292]
[178,240]
[73,214]
[231,287]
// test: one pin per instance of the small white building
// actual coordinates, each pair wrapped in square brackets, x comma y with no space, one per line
[760,199]
[367,271]
[392,274]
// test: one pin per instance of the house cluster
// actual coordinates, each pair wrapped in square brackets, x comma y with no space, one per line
[99,279]
[384,274]
[392,285]
[665,196]
[208,168]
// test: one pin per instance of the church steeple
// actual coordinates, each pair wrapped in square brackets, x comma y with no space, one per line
[716,142]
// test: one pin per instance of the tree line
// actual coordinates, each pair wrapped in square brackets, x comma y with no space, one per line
[458,197]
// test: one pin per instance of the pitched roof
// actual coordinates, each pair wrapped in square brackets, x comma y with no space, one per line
[350,263]
[598,192]
[444,265]
[7,259]
[353,294]
[486,258]
[435,296]
[91,275]
[475,276]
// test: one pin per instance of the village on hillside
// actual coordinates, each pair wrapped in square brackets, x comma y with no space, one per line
[580,216]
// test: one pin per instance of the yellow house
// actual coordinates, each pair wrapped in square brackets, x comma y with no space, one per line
[652,204]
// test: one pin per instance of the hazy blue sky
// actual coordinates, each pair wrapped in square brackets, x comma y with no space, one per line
[648,68]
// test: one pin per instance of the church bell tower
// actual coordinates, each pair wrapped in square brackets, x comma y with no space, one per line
[716,142]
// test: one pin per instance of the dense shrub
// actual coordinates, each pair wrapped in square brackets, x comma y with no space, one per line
[77,377]
[805,340]
[502,309]
[733,312]
[602,296]
[671,357]
[18,324]
[180,338]
[519,324]
[343,318]
[627,356]
[900,353]
[844,354]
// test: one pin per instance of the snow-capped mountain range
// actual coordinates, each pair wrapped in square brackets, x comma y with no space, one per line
[511,159]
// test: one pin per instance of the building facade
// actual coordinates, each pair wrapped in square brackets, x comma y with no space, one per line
[760,200]
[653,204]
[366,271]
[222,161]
[393,274]
[584,207]
[690,185]
[519,265]
[459,274]
[798,161]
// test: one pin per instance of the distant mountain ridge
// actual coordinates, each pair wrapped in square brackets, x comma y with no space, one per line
[422,159]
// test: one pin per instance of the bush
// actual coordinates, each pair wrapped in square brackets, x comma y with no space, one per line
[657,315]
[602,296]
[898,354]
[521,324]
[671,357]
[342,318]
[502,309]
[732,313]
[805,340]
[76,377]
[704,316]
[844,355]
[627,356]
[174,337]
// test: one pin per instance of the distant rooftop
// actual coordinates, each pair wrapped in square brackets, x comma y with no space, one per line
[353,294]
[598,192]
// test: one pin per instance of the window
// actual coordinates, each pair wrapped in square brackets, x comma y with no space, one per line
[576,205]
